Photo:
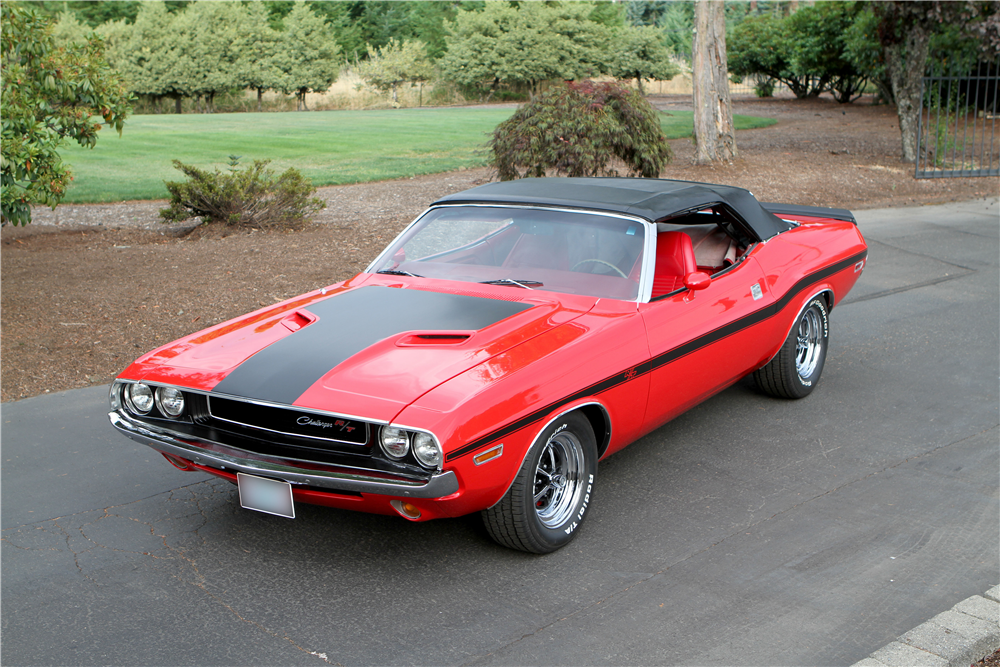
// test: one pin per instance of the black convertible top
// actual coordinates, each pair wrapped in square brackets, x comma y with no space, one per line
[653,199]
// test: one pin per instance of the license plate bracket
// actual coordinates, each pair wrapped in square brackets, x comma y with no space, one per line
[266,495]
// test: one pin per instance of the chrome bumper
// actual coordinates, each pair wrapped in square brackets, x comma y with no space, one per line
[440,485]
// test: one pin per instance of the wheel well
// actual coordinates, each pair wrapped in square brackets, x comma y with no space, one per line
[601,424]
[828,297]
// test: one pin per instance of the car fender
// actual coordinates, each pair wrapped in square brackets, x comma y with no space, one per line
[508,400]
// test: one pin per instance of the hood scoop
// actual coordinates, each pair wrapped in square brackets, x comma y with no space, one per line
[298,319]
[421,339]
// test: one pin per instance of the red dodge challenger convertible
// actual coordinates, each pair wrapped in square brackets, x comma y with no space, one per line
[510,338]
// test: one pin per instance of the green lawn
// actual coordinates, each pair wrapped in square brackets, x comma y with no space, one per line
[329,147]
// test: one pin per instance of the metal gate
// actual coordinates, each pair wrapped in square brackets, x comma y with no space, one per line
[958,133]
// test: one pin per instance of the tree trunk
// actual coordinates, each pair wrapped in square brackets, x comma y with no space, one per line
[260,97]
[905,62]
[714,133]
[302,100]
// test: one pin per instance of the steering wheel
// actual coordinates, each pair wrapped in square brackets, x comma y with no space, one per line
[600,261]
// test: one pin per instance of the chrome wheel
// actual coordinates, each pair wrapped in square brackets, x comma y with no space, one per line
[548,499]
[558,479]
[809,343]
[794,371]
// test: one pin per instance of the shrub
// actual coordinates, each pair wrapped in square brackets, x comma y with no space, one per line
[579,129]
[764,46]
[764,87]
[250,197]
[807,51]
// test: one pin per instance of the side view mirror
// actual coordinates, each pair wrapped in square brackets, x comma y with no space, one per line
[697,280]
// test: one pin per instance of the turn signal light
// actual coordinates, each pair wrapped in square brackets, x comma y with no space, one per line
[406,509]
[488,455]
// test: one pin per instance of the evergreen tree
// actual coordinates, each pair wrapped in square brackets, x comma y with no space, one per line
[256,44]
[394,64]
[67,30]
[147,52]
[521,46]
[307,56]
[639,53]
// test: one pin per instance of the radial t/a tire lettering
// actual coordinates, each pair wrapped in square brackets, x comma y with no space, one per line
[795,370]
[551,493]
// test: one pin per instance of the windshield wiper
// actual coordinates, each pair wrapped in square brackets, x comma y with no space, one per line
[397,272]
[526,284]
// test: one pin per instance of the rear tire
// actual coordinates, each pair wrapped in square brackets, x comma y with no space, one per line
[795,370]
[549,497]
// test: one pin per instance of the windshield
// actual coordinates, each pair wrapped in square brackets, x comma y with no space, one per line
[525,248]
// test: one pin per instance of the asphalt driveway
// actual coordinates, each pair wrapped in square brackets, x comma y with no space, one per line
[748,531]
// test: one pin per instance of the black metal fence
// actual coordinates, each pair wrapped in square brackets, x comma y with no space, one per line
[958,133]
[755,84]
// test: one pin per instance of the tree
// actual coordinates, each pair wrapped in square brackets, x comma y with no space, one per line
[645,12]
[428,20]
[67,30]
[50,94]
[677,26]
[148,54]
[714,132]
[256,46]
[356,23]
[307,56]
[393,64]
[639,53]
[580,129]
[207,60]
[862,47]
[521,46]
[817,36]
[765,45]
[905,31]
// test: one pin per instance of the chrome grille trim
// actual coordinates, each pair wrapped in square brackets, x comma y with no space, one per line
[291,409]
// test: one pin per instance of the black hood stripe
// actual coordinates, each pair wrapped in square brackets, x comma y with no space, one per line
[661,359]
[348,323]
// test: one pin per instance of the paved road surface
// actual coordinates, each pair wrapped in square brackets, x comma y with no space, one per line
[748,531]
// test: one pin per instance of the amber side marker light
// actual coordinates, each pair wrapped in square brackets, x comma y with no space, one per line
[406,509]
[488,455]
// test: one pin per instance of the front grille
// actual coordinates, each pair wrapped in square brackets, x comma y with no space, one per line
[274,423]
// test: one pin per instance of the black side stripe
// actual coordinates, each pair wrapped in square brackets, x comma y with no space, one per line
[662,359]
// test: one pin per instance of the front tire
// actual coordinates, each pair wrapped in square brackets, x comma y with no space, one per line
[795,370]
[549,497]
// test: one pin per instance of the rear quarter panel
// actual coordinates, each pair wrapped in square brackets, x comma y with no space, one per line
[818,256]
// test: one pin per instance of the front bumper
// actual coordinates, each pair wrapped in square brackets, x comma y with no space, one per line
[316,475]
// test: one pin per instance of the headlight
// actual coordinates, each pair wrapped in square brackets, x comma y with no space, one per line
[426,450]
[139,398]
[170,401]
[395,442]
